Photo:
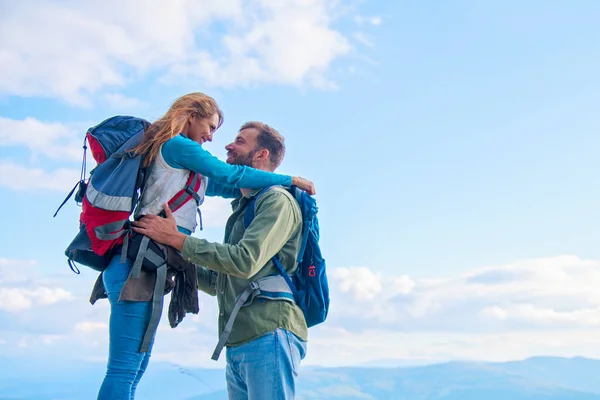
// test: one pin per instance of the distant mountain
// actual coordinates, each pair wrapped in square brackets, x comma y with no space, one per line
[220,395]
[572,373]
[542,378]
[448,381]
[40,379]
[394,363]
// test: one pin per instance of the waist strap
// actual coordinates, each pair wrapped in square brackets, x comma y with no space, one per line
[272,287]
[144,252]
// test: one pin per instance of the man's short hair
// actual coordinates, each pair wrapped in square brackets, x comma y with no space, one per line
[268,138]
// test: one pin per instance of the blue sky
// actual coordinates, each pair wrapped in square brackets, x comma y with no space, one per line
[445,140]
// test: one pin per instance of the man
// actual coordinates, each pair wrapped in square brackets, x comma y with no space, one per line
[269,336]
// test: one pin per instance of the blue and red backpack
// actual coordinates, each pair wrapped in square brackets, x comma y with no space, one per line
[113,190]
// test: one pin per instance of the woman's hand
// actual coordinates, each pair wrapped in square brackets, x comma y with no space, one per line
[304,184]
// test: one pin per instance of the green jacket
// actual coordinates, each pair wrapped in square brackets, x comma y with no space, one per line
[246,256]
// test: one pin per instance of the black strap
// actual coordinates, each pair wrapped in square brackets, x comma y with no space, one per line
[81,182]
[68,196]
[137,264]
[73,266]
[251,289]
[124,248]
[157,306]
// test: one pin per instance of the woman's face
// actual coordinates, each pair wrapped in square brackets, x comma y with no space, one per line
[201,129]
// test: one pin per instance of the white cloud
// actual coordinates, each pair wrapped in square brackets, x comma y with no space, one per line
[362,38]
[215,211]
[121,102]
[332,346]
[27,287]
[89,326]
[360,282]
[18,177]
[12,299]
[544,315]
[73,49]
[17,299]
[54,140]
[46,296]
[362,20]
[12,270]
[30,340]
[551,293]
[13,263]
[282,42]
[403,284]
[49,340]
[376,21]
[547,306]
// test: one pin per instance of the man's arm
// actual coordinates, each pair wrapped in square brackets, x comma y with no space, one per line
[275,220]
[207,280]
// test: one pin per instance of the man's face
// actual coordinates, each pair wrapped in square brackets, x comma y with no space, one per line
[242,150]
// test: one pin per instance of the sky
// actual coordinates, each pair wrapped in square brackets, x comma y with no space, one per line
[453,146]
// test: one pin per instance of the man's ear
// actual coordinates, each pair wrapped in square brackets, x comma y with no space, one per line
[262,155]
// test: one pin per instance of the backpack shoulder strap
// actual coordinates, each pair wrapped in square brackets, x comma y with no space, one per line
[308,209]
[189,191]
[248,217]
[251,207]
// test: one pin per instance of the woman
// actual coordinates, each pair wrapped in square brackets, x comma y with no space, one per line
[172,147]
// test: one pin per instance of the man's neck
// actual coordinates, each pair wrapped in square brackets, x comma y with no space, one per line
[261,167]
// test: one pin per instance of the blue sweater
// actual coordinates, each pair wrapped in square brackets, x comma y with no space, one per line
[224,179]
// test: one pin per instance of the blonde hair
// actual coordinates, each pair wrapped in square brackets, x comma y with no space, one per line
[173,122]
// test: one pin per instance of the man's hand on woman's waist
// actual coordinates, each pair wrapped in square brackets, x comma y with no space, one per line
[161,230]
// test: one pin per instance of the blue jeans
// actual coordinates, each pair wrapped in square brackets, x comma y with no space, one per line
[128,320]
[265,368]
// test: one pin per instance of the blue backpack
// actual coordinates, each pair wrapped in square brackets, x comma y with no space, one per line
[309,284]
[308,287]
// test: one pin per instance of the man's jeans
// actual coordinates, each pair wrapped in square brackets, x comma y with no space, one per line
[265,368]
[128,320]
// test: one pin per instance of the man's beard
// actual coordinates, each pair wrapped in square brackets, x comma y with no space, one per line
[245,159]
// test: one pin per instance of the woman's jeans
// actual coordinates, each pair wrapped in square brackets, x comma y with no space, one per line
[128,321]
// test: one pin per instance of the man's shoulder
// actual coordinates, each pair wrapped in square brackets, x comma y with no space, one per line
[279,194]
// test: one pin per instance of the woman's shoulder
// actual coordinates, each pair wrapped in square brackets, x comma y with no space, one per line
[172,149]
[179,140]
[178,143]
